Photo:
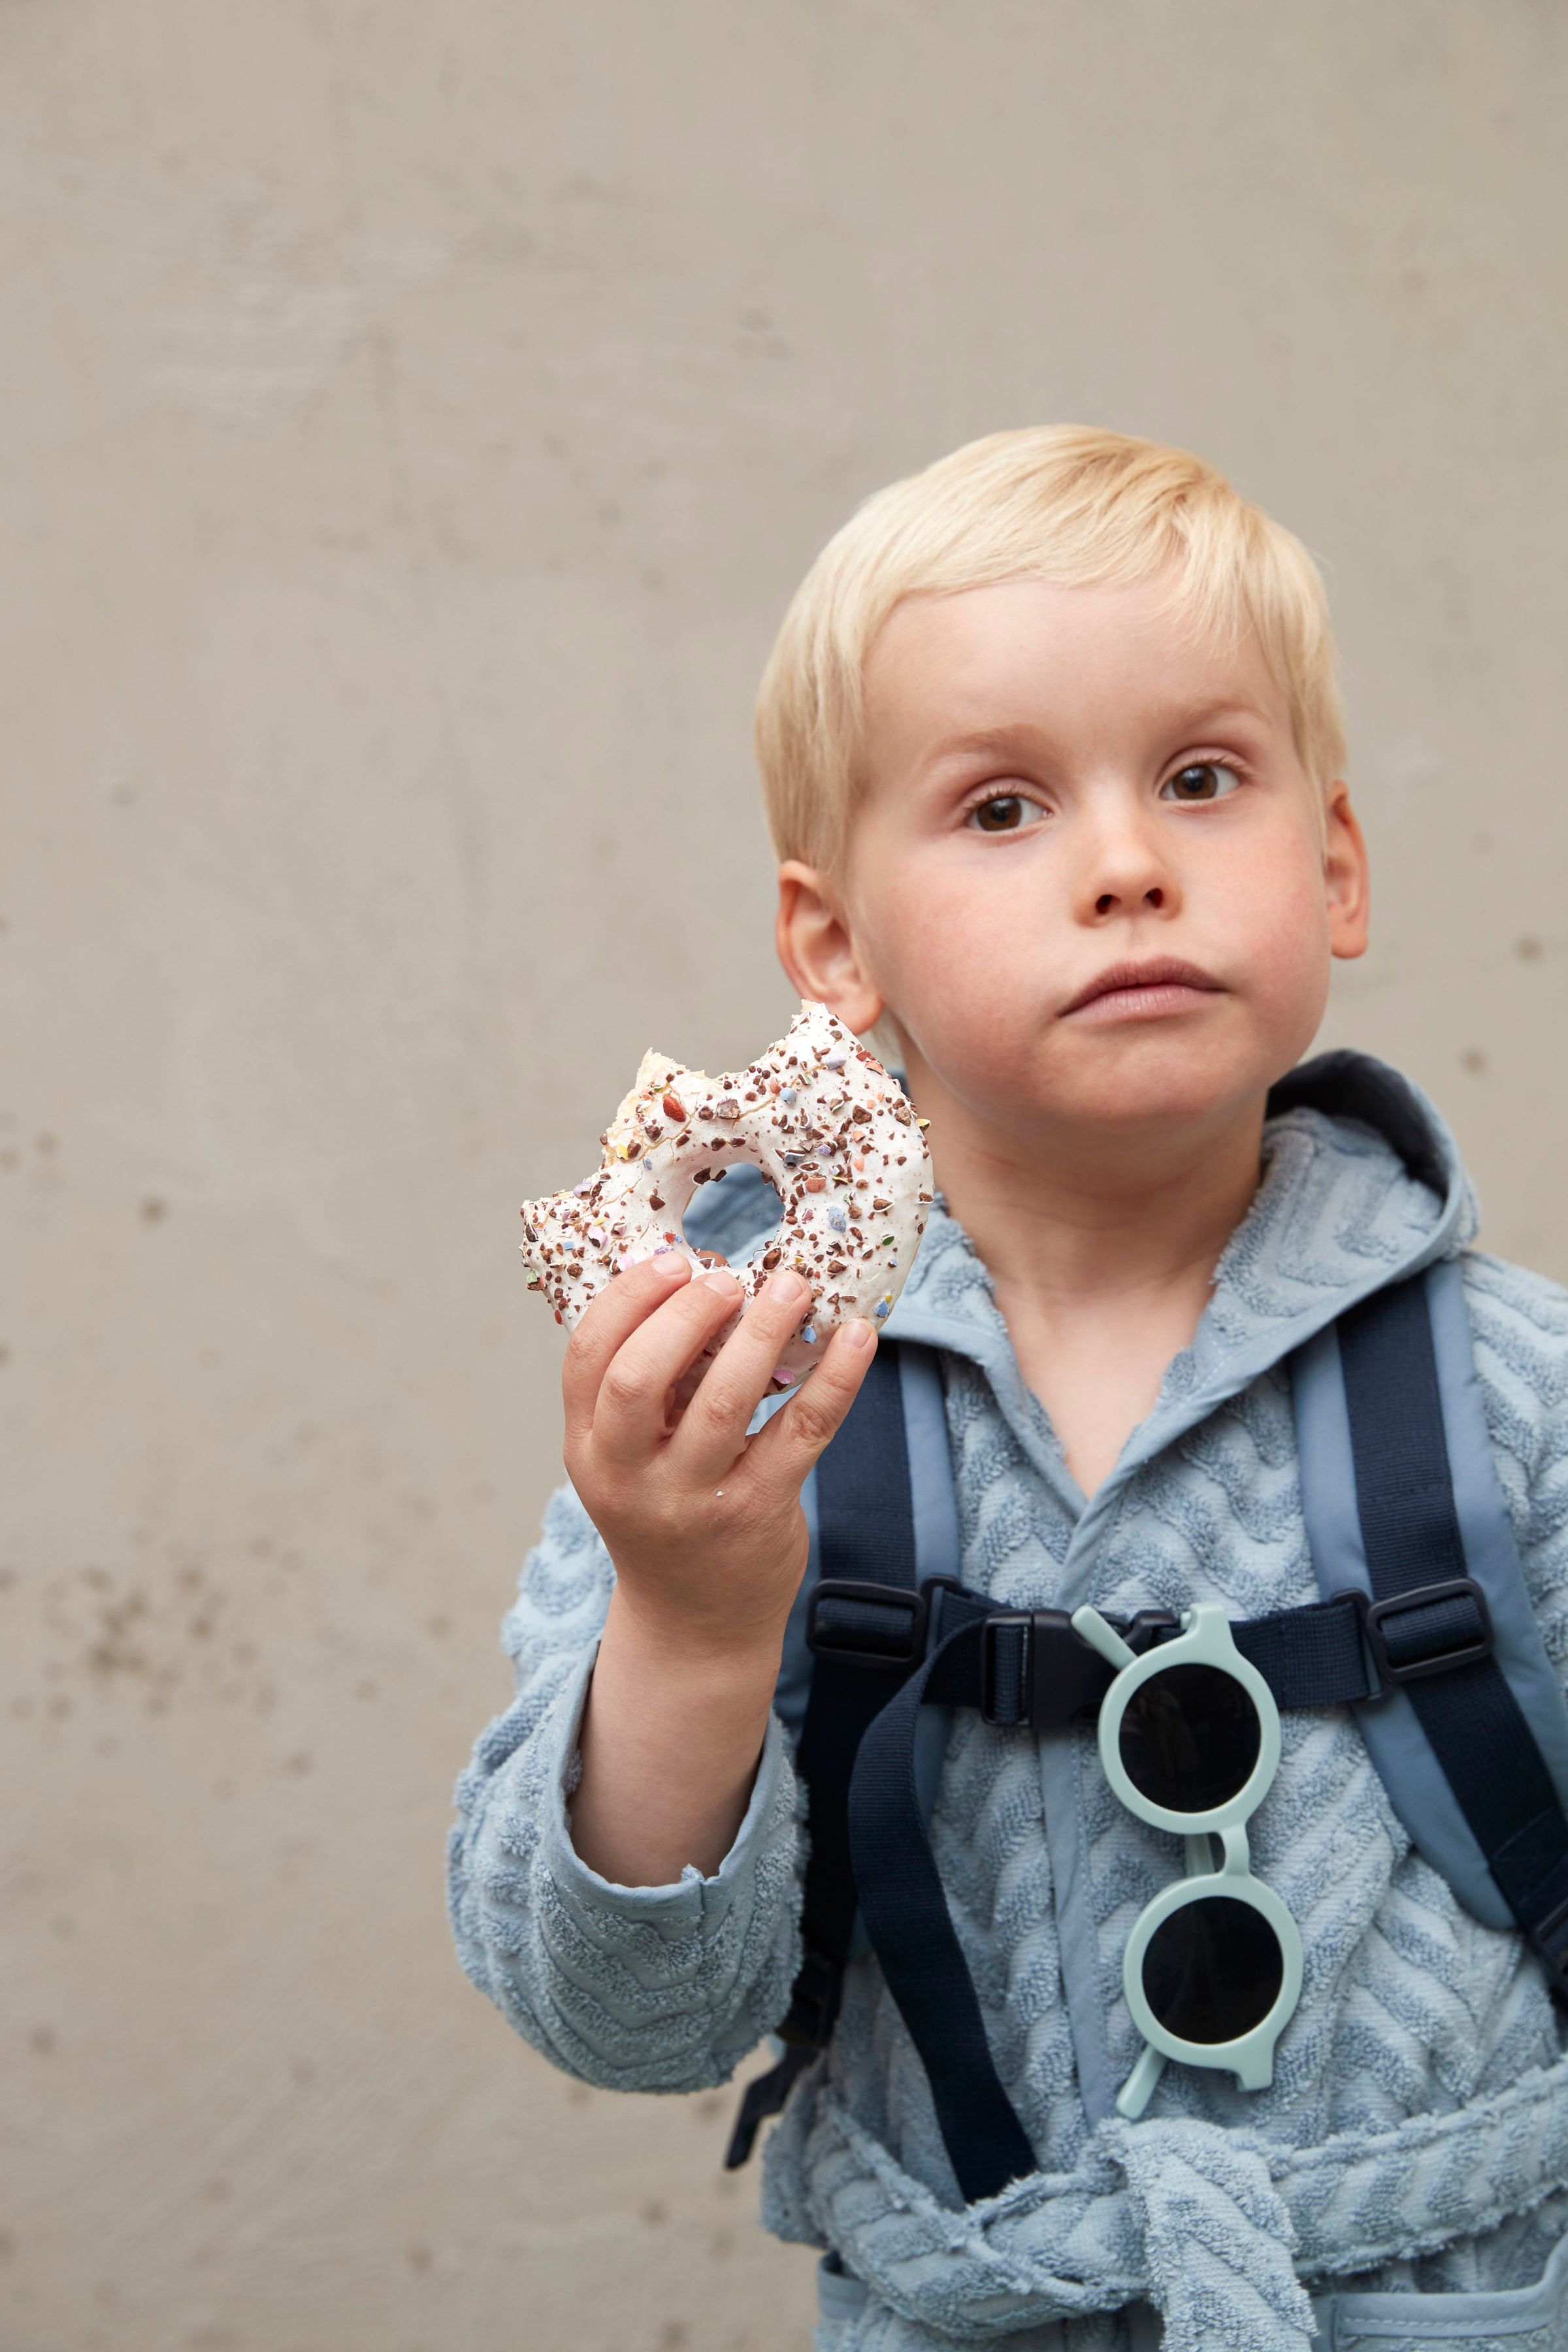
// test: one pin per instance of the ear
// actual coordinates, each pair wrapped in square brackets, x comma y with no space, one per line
[817,949]
[1346,875]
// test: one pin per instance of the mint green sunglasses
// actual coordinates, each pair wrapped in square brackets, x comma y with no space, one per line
[1189,1738]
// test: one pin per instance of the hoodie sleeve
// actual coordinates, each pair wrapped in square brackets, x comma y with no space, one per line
[635,1988]
[1519,1323]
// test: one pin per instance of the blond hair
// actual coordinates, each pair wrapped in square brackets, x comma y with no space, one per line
[1067,503]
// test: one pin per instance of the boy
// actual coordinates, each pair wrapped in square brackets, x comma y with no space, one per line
[1054,765]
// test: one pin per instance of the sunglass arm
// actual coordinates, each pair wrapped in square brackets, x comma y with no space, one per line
[1090,1627]
[1139,2088]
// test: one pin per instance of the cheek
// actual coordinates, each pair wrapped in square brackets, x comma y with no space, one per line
[955,962]
[1277,931]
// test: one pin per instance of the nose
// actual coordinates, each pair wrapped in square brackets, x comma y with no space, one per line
[1126,869]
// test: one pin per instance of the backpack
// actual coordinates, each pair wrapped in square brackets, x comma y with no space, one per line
[1423,1625]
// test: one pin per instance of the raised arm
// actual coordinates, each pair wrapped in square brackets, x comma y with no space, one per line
[648,1938]
[708,1540]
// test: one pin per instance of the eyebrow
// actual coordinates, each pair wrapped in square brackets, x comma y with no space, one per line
[1192,720]
[997,740]
[1201,715]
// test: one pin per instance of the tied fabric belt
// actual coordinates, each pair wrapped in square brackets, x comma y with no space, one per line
[1215,2227]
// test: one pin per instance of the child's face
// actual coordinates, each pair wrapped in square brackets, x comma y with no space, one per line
[1059,782]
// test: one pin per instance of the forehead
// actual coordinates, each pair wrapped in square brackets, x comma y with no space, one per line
[1058,660]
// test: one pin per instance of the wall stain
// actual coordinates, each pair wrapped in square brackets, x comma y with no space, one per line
[152,1633]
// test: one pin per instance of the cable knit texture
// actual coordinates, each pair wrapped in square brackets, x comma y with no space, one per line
[1416,2135]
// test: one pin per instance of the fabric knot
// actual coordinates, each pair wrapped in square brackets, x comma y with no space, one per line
[1218,2237]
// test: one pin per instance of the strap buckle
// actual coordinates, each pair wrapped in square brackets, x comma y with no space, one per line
[764,2097]
[1037,1672]
[813,2002]
[1406,1668]
[876,1624]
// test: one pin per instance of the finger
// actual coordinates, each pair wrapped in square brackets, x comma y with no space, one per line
[714,1428]
[789,1445]
[632,1411]
[614,1315]
[687,1382]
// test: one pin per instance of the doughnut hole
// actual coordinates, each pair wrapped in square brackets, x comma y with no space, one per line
[722,1220]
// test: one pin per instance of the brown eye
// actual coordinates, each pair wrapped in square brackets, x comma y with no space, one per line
[1002,814]
[1206,780]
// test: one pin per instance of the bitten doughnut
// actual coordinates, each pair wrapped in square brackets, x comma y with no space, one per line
[830,1131]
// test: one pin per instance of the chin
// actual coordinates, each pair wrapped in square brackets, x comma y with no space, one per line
[1158,1084]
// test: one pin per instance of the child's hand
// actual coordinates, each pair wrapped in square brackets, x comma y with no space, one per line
[704,1524]
[709,1544]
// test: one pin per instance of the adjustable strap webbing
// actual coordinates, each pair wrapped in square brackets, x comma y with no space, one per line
[1410,1529]
[911,1929]
[866,1538]
[1029,1667]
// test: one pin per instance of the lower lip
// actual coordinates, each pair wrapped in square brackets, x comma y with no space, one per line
[1155,1004]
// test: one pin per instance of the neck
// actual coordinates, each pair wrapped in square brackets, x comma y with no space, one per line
[1102,1247]
[1059,1216]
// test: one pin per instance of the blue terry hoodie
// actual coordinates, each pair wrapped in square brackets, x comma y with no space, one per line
[1408,2169]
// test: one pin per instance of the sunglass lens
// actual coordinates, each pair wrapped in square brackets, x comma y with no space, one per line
[1189,1739]
[1213,1969]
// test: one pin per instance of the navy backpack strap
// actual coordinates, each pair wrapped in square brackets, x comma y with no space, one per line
[1402,1506]
[913,1928]
[866,1619]
[861,1617]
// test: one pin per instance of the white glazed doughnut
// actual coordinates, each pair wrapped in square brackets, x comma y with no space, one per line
[830,1131]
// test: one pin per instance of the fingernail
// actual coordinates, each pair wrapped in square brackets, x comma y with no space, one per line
[787,1288]
[720,1278]
[859,1335]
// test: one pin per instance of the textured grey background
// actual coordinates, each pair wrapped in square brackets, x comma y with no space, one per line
[414,422]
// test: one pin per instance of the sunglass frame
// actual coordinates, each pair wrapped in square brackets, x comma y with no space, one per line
[1205,1640]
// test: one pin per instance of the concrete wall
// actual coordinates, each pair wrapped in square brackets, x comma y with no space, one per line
[416,419]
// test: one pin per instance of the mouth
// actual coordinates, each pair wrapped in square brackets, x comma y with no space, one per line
[1149,991]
